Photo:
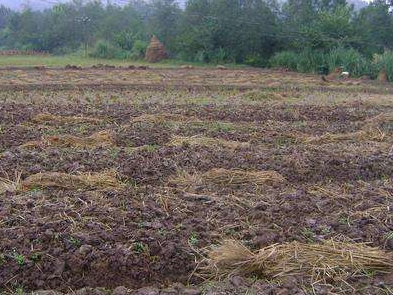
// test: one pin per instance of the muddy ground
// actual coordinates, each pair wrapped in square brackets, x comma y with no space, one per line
[149,234]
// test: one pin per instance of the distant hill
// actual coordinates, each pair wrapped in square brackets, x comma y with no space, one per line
[42,4]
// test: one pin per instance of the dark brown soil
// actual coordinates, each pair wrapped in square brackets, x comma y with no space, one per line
[147,234]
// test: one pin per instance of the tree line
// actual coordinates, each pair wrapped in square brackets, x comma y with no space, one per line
[255,32]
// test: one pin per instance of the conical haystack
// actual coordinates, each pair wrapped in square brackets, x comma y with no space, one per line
[155,52]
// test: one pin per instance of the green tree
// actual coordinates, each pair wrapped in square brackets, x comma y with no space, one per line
[228,30]
[163,21]
[374,27]
[330,29]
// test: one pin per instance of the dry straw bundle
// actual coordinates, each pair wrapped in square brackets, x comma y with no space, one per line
[329,260]
[230,178]
[49,118]
[370,131]
[99,139]
[239,177]
[207,142]
[103,180]
[8,185]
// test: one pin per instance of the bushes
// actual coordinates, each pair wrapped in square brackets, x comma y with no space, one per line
[349,59]
[385,62]
[138,49]
[285,59]
[311,61]
[256,60]
[103,49]
[215,56]
[305,61]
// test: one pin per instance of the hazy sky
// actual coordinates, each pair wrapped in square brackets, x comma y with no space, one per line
[41,4]
[38,4]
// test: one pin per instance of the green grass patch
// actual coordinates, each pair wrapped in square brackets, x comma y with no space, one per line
[62,61]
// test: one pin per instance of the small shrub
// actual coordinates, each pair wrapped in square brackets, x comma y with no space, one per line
[103,49]
[221,55]
[202,56]
[384,62]
[138,49]
[256,61]
[193,239]
[350,60]
[285,59]
[311,61]
[20,259]
[316,61]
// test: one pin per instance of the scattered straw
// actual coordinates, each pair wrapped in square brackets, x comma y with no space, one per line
[103,180]
[370,131]
[8,185]
[159,118]
[371,134]
[99,139]
[381,118]
[319,262]
[230,178]
[49,118]
[207,142]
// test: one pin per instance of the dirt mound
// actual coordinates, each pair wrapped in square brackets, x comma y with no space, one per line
[73,67]
[187,67]
[335,74]
[319,262]
[155,52]
[103,67]
[99,139]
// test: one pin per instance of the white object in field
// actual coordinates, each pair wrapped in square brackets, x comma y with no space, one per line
[346,74]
